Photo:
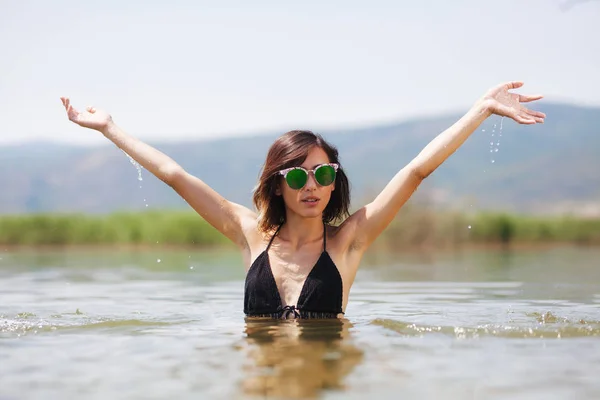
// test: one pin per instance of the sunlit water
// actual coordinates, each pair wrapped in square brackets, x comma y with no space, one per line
[476,325]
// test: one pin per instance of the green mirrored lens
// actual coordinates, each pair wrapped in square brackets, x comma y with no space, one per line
[325,175]
[296,178]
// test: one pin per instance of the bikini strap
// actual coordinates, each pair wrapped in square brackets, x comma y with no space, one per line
[273,237]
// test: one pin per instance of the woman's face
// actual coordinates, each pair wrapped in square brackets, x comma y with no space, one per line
[311,200]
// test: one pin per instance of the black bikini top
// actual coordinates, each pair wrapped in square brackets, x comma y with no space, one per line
[320,297]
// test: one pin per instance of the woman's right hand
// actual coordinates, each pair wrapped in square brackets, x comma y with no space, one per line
[91,118]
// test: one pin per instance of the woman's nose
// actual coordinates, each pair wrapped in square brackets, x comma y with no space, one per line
[311,184]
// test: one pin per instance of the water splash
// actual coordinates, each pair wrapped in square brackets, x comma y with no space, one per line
[552,328]
[495,140]
[139,168]
[500,133]
[19,326]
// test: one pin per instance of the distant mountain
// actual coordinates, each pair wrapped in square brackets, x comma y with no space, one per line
[536,168]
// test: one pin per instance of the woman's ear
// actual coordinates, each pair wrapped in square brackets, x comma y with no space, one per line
[278,189]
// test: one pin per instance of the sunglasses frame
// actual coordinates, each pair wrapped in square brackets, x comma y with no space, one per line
[284,172]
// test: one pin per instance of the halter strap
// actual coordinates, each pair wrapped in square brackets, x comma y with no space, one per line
[273,237]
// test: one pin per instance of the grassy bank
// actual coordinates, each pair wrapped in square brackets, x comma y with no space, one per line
[413,227]
[167,228]
[418,227]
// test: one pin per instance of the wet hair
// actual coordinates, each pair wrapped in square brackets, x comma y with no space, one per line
[290,150]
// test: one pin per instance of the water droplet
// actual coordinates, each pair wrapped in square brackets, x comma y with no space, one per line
[493,161]
[495,150]
[146,205]
[491,143]
[469,226]
[136,165]
[483,130]
[192,267]
[158,260]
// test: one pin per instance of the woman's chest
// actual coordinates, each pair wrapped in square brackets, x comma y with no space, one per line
[291,273]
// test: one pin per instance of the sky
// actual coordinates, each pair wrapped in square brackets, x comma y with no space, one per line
[186,69]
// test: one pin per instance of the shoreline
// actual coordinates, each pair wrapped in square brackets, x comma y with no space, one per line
[406,249]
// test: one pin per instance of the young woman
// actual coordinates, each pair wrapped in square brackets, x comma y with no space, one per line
[301,248]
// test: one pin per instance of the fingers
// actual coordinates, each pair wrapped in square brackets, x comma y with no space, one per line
[65,101]
[524,98]
[513,85]
[538,120]
[71,112]
[522,119]
[529,117]
[536,114]
[91,109]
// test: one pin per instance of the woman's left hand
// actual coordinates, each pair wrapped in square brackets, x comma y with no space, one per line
[498,100]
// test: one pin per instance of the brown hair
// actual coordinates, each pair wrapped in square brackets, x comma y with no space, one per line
[290,150]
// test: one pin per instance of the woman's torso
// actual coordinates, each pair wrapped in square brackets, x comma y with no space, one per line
[314,277]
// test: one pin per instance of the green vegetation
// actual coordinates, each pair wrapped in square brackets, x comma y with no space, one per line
[419,226]
[414,227]
[166,228]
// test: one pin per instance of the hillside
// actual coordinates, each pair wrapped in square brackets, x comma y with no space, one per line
[536,168]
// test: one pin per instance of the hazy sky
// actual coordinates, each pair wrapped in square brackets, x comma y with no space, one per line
[191,69]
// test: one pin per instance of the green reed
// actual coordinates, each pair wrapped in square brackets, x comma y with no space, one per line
[167,228]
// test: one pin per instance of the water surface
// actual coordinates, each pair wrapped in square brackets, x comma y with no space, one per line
[474,325]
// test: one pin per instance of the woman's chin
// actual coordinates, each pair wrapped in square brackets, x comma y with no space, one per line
[310,213]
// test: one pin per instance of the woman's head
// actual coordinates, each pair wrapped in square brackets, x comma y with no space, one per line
[274,197]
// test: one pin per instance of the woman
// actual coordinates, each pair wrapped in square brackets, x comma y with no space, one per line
[297,263]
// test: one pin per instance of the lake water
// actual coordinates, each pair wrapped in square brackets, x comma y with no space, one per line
[470,325]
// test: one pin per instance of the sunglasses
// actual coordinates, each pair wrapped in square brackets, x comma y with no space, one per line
[297,177]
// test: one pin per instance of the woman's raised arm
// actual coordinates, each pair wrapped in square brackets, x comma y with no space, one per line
[231,219]
[368,222]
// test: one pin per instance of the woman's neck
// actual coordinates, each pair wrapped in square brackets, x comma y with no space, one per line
[298,231]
